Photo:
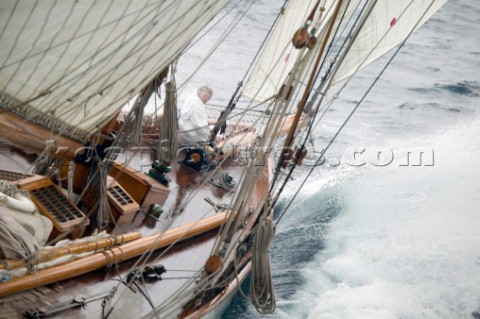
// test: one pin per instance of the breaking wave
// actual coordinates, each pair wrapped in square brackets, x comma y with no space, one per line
[407,242]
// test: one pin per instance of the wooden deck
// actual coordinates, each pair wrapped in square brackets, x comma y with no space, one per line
[182,261]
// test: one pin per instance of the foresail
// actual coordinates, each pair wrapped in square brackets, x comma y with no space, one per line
[71,65]
[346,11]
[279,55]
[389,23]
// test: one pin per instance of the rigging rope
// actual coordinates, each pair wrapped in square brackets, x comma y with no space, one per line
[315,96]
[215,47]
[347,119]
[213,26]
[333,43]
[103,211]
[222,119]
[250,176]
[77,73]
[138,121]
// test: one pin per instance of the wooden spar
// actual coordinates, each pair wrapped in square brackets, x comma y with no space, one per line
[27,135]
[306,93]
[55,252]
[112,125]
[114,255]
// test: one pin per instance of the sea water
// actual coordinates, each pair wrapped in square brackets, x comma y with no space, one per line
[399,235]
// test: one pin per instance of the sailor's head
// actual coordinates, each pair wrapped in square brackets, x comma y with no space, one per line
[204,93]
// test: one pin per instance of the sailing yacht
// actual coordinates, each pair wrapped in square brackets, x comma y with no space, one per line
[101,220]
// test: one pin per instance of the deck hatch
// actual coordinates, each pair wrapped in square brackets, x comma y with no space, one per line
[120,195]
[56,204]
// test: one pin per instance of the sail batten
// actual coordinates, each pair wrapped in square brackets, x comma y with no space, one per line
[84,62]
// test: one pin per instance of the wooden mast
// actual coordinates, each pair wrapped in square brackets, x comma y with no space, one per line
[306,93]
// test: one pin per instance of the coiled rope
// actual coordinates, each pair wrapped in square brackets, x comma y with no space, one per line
[261,286]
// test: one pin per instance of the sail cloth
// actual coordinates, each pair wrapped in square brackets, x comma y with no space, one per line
[279,55]
[71,65]
[15,241]
[389,23]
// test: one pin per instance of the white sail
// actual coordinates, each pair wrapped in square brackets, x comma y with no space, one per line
[389,23]
[279,55]
[348,8]
[70,65]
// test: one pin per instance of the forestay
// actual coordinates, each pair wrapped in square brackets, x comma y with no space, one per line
[70,65]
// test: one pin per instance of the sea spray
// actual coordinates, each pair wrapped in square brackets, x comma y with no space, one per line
[407,244]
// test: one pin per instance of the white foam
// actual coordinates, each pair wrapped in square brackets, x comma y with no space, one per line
[408,244]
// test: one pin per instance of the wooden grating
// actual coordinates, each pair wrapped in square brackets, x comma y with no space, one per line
[56,204]
[122,206]
[120,196]
[142,188]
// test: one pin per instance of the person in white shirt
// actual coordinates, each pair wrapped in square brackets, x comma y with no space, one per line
[193,120]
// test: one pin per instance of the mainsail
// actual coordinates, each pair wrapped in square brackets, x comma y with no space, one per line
[71,65]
